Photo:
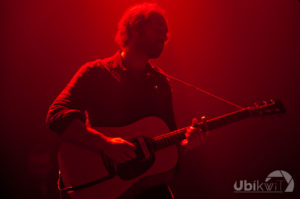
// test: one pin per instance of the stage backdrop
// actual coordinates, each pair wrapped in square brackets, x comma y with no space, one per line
[245,51]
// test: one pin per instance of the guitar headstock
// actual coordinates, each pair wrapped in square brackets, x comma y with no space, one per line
[267,108]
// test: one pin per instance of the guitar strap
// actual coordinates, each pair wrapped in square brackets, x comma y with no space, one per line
[65,190]
[200,90]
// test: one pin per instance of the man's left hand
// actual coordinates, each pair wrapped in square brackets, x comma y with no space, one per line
[194,136]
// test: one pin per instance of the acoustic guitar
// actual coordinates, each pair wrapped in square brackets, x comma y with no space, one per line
[89,175]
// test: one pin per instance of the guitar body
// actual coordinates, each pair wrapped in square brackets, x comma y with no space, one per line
[79,166]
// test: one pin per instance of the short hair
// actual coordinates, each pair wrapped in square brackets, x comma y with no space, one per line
[134,19]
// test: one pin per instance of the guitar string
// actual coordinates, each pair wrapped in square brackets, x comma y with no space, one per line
[201,90]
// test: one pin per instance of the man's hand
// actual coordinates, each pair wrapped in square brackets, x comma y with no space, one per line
[119,149]
[194,136]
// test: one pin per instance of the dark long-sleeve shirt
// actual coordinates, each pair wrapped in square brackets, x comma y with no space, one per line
[107,94]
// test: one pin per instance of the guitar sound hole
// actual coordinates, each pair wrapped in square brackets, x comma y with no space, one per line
[139,165]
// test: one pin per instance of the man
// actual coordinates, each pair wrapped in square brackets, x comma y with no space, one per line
[120,90]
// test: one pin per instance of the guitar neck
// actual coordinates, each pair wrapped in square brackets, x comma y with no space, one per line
[177,136]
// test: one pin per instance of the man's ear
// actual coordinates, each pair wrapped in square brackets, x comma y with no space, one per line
[136,32]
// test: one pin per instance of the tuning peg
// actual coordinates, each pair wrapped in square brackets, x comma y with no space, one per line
[203,120]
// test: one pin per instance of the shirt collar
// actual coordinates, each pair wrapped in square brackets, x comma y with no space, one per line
[120,67]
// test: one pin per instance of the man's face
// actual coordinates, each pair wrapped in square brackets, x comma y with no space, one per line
[152,38]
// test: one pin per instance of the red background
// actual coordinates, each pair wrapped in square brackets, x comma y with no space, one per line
[246,51]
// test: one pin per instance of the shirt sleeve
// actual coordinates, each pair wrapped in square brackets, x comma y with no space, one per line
[70,103]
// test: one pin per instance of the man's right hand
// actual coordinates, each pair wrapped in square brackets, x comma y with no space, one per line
[119,149]
[115,148]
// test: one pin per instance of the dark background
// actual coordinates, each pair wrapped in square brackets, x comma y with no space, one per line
[246,51]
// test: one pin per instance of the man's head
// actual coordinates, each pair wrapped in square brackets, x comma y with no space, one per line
[144,28]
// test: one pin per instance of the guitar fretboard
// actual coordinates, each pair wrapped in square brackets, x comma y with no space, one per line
[177,136]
